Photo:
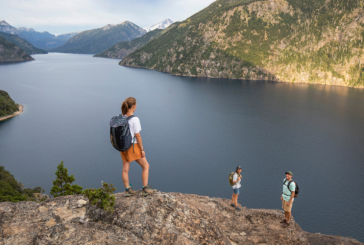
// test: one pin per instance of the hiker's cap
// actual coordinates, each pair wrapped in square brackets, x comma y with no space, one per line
[290,173]
[238,167]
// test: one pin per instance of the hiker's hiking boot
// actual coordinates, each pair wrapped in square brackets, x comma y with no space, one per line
[283,221]
[129,192]
[237,208]
[147,191]
[285,225]
[232,205]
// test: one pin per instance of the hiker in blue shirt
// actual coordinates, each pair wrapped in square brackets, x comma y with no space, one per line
[287,197]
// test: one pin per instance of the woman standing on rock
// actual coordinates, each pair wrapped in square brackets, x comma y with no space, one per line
[236,188]
[136,152]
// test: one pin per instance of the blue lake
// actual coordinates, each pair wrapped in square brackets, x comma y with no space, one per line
[195,132]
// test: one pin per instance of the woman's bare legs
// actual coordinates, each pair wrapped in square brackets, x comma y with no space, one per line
[234,199]
[145,174]
[125,173]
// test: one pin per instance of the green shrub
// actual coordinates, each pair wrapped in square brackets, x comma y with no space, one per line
[102,197]
[62,185]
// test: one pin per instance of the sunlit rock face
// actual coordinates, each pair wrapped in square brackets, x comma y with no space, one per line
[295,41]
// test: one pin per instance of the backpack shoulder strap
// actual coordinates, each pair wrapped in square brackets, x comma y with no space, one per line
[289,183]
[128,118]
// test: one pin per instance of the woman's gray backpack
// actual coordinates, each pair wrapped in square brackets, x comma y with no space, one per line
[120,135]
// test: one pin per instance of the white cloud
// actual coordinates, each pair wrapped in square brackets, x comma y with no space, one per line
[71,15]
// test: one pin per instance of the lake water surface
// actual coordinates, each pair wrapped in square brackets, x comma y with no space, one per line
[195,132]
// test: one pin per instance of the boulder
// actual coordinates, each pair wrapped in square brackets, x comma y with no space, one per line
[81,203]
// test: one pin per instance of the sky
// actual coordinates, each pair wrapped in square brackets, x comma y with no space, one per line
[63,16]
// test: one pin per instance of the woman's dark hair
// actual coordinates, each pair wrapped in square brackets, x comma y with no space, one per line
[127,104]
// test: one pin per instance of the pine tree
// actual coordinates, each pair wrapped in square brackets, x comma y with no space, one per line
[62,185]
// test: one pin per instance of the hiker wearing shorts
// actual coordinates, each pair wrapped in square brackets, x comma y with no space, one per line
[136,151]
[236,188]
[287,198]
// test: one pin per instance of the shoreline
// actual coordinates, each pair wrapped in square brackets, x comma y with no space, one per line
[21,107]
[244,79]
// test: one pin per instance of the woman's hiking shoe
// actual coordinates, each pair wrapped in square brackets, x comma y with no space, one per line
[283,221]
[285,224]
[232,205]
[147,191]
[237,208]
[129,192]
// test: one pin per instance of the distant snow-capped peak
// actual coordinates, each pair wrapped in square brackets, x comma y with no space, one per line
[68,34]
[4,23]
[161,25]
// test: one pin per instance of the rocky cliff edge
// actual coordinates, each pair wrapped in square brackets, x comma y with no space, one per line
[162,218]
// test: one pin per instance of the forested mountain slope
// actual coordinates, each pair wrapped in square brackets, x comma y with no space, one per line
[14,191]
[122,49]
[10,52]
[7,105]
[97,40]
[22,43]
[311,41]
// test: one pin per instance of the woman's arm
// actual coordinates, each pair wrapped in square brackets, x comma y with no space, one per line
[140,143]
[238,178]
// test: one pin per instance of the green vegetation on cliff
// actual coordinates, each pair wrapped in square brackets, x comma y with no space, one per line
[10,52]
[102,197]
[62,185]
[122,49]
[13,191]
[22,43]
[97,40]
[7,105]
[311,41]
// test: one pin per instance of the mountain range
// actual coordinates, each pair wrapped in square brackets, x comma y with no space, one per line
[42,40]
[122,49]
[22,43]
[56,41]
[97,40]
[10,52]
[311,41]
[161,25]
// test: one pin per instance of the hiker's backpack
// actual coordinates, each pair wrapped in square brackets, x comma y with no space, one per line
[120,135]
[297,188]
[231,177]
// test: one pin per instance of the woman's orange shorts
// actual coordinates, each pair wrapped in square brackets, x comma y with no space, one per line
[131,154]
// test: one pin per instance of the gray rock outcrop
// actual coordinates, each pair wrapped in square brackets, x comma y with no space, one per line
[162,218]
